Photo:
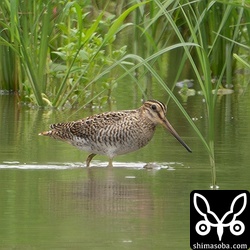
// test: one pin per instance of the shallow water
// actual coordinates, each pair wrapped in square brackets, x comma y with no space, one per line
[49,200]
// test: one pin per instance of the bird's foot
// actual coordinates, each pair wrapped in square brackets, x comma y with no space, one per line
[90,157]
[110,165]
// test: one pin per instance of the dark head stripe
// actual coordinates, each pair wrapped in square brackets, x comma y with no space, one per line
[151,102]
[160,111]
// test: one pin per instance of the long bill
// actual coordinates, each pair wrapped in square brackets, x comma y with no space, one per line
[169,127]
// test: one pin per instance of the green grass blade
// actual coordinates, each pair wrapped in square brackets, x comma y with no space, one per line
[242,61]
[116,26]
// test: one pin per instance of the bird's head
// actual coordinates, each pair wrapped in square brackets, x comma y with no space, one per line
[156,112]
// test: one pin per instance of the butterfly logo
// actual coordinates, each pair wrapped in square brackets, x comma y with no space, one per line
[203,227]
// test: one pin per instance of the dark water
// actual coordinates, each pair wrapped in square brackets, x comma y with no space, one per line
[49,200]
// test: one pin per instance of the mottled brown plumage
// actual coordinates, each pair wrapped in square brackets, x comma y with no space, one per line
[114,133]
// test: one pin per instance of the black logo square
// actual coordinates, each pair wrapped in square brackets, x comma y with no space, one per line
[219,219]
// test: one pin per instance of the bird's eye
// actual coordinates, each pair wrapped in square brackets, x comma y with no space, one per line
[153,107]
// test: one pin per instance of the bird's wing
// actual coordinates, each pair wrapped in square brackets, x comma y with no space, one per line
[91,124]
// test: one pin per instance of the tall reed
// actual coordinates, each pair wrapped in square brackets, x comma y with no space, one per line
[26,30]
[209,33]
[58,52]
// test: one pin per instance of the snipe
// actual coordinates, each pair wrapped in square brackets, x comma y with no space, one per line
[114,133]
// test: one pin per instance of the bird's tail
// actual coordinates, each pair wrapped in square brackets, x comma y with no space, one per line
[59,131]
[51,133]
[56,134]
[45,133]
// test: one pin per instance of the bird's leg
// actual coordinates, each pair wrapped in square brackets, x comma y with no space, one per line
[110,163]
[90,157]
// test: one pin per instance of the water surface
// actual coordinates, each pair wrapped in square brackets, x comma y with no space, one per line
[49,200]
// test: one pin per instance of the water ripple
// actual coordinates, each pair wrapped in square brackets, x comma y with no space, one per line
[70,165]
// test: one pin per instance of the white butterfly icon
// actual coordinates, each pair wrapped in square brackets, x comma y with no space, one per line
[236,227]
